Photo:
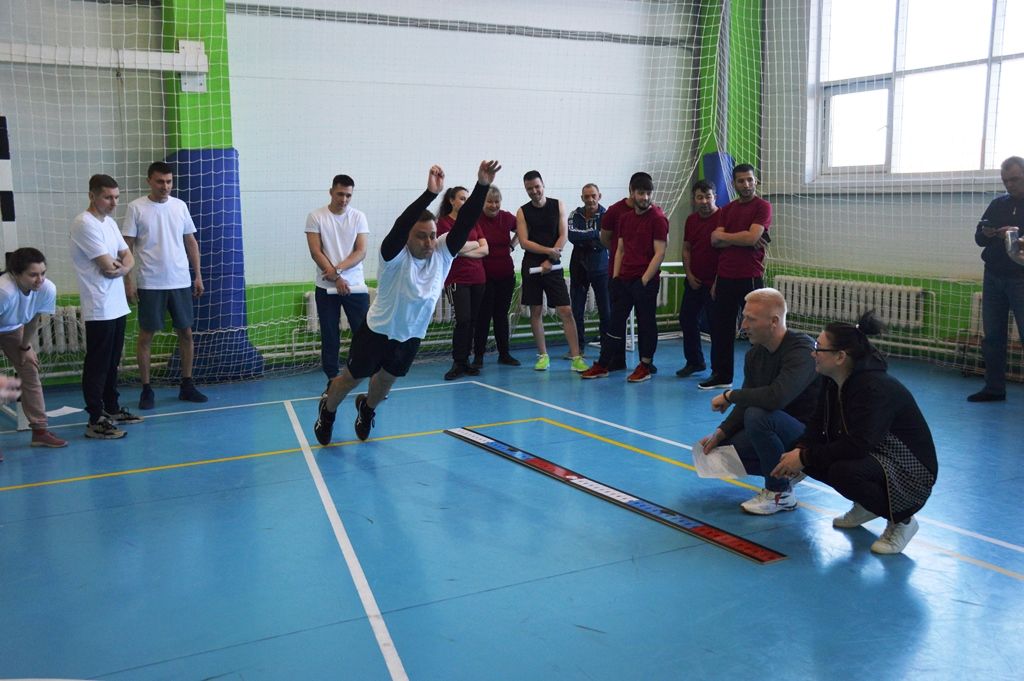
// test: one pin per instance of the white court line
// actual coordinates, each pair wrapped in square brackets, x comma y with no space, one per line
[205,410]
[380,629]
[817,486]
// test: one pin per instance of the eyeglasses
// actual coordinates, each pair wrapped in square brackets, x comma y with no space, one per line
[819,349]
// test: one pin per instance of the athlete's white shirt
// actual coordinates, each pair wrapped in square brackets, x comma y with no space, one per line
[159,229]
[17,309]
[102,299]
[407,292]
[338,240]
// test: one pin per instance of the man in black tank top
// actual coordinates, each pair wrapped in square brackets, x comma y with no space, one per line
[542,229]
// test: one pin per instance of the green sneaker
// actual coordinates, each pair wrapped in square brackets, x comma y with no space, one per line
[579,364]
[543,362]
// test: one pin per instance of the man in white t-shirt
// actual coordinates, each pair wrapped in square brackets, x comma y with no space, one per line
[101,259]
[25,296]
[413,265]
[336,236]
[160,231]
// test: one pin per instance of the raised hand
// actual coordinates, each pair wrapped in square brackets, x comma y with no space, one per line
[488,169]
[435,180]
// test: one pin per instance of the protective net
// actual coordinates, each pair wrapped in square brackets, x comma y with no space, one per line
[878,155]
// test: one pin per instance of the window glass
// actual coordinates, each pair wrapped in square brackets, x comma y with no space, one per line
[946,31]
[1008,139]
[1013,33]
[857,128]
[941,118]
[860,34]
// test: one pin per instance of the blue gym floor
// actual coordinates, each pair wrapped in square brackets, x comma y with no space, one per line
[219,541]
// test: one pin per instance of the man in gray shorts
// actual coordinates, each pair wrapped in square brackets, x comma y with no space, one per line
[161,233]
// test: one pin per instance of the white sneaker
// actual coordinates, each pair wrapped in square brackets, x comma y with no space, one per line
[855,517]
[896,537]
[767,502]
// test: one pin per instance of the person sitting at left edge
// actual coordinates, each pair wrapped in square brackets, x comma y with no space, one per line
[411,271]
[25,296]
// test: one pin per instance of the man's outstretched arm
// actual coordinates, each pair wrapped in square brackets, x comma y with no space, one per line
[395,241]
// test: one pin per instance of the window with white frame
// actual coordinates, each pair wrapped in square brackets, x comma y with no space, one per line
[919,86]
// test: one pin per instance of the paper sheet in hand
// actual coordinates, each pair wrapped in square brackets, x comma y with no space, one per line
[538,270]
[721,462]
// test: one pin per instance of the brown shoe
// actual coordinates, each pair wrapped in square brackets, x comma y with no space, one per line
[44,438]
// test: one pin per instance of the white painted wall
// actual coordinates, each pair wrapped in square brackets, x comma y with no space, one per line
[311,99]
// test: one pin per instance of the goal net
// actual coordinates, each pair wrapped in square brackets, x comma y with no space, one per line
[258,105]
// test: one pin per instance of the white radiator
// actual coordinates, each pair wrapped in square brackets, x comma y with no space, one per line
[64,331]
[978,328]
[313,319]
[840,300]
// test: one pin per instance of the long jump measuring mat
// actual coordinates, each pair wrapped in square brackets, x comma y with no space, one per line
[674,519]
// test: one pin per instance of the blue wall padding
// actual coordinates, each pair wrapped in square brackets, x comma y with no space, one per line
[207,180]
[718,167]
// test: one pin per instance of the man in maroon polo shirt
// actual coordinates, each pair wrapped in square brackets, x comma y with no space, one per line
[642,239]
[740,236]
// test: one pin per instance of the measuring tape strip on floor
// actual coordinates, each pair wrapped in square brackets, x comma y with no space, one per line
[682,522]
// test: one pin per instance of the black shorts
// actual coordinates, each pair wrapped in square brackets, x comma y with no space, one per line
[537,286]
[371,351]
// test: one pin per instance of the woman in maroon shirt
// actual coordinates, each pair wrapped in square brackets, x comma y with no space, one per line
[464,285]
[498,228]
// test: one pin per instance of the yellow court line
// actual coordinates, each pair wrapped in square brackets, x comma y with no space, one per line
[659,457]
[241,457]
[151,469]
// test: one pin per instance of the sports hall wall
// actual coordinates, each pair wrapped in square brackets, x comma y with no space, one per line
[583,91]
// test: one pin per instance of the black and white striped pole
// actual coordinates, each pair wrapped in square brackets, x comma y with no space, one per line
[9,232]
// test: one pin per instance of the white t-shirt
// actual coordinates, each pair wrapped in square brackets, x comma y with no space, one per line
[102,299]
[407,292]
[17,309]
[338,239]
[159,230]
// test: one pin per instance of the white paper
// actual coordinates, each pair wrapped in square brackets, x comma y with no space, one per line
[721,462]
[63,411]
[537,270]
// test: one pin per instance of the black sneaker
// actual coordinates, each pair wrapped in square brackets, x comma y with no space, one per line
[188,392]
[472,371]
[458,370]
[653,369]
[104,429]
[714,382]
[147,399]
[509,360]
[986,396]
[690,370]
[364,418]
[324,426]
[122,416]
[478,362]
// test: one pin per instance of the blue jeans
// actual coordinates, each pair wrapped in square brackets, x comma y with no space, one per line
[328,309]
[1000,296]
[766,436]
[579,282]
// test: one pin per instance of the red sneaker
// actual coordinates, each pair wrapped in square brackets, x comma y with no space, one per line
[640,374]
[44,438]
[595,371]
